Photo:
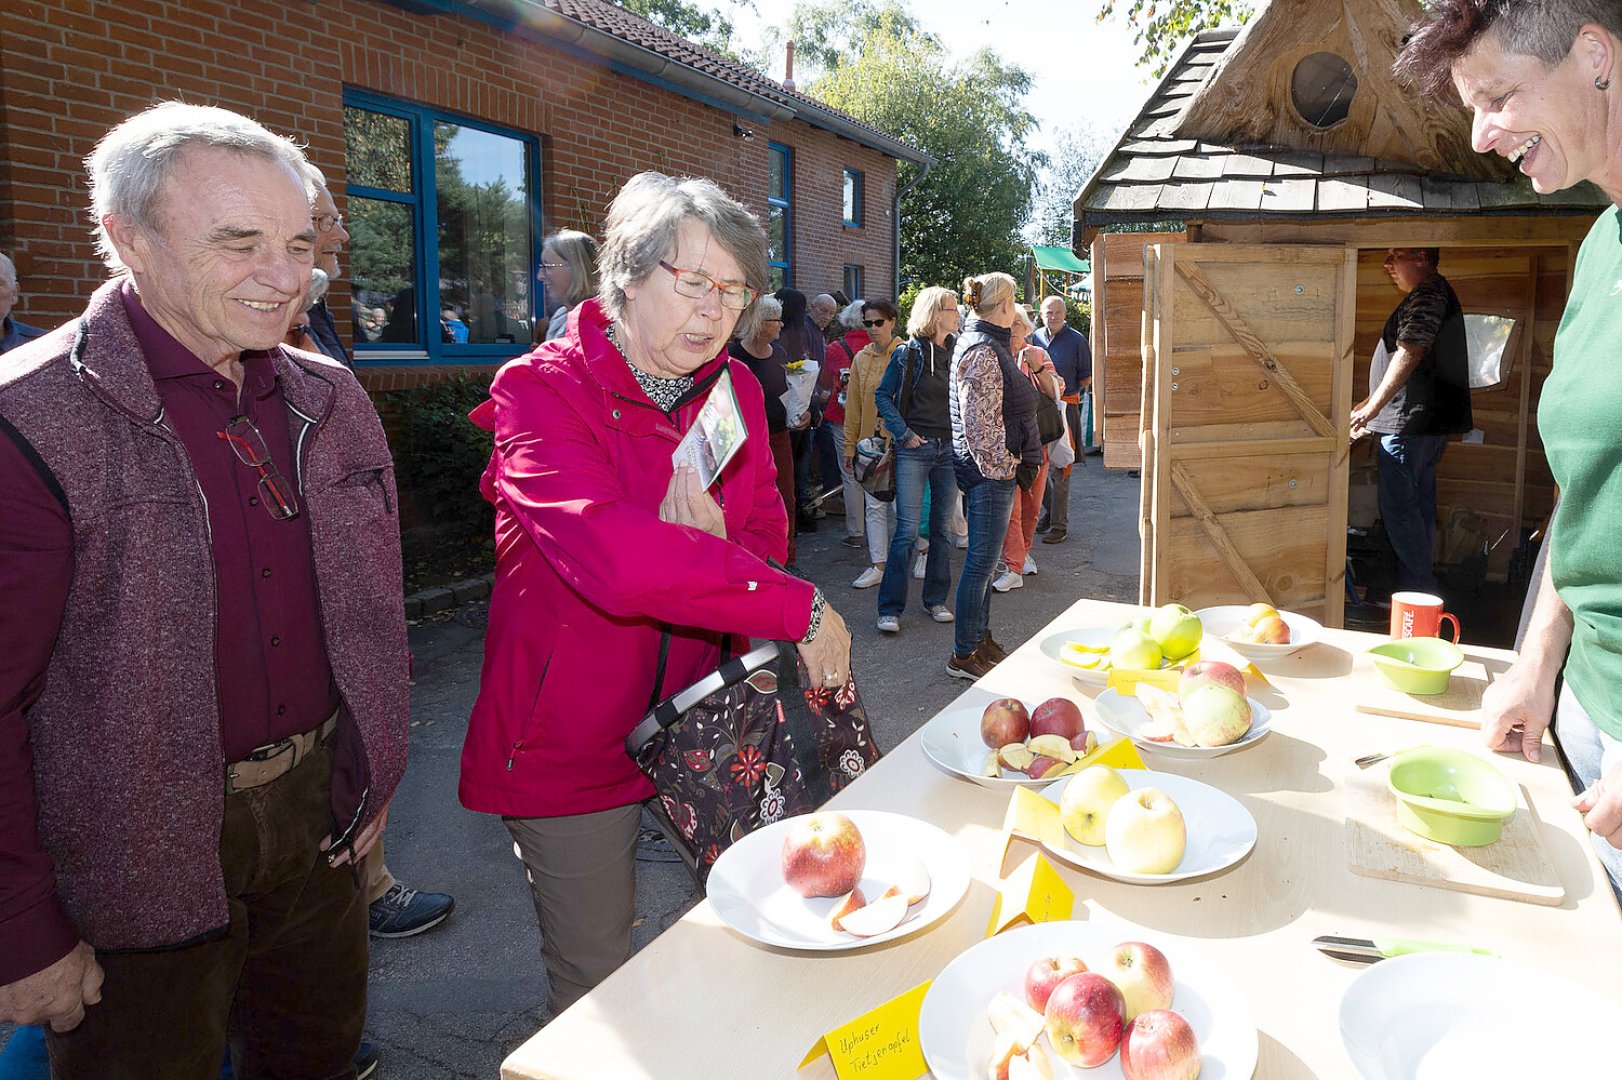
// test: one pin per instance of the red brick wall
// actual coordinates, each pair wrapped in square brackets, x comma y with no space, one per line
[70,69]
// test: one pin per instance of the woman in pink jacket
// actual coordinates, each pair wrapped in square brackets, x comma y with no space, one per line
[601,544]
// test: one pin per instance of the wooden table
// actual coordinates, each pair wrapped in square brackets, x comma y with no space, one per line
[701,1001]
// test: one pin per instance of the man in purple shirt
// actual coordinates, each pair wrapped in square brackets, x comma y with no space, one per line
[203,708]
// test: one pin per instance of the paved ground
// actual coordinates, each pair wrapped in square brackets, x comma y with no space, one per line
[457,1000]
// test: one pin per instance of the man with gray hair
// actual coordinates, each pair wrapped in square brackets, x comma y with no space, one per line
[330,241]
[203,705]
[12,332]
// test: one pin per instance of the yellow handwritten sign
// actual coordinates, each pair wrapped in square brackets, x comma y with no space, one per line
[881,1044]
[1125,681]
[1033,893]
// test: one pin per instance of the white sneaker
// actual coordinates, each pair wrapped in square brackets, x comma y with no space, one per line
[868,578]
[1008,580]
[942,613]
[889,624]
[1029,567]
[918,567]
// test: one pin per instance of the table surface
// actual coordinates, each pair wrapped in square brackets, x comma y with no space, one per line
[702,1001]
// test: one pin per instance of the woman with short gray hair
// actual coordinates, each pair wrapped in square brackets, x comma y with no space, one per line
[604,543]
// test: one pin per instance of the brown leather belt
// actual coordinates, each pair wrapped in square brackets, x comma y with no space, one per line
[275,760]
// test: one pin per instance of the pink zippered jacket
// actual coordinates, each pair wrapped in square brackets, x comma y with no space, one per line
[587,576]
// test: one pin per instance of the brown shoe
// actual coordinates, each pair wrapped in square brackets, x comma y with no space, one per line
[972,666]
[1055,536]
[989,649]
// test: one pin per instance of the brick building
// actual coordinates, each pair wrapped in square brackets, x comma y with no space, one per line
[454,134]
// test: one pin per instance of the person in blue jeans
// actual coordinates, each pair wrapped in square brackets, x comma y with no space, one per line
[995,446]
[913,400]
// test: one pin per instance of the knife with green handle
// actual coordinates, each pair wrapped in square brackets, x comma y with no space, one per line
[1373,950]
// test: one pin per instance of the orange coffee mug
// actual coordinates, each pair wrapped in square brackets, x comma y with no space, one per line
[1417,614]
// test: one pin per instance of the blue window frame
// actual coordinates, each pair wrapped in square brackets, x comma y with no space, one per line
[854,286]
[780,215]
[445,224]
[853,197]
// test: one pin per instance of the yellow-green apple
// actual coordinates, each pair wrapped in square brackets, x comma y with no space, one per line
[823,855]
[1177,629]
[1132,648]
[1215,715]
[1256,612]
[1142,974]
[844,906]
[1271,630]
[880,917]
[1058,716]
[1047,973]
[1033,1065]
[1145,833]
[1005,721]
[1085,802]
[1084,1020]
[1160,1046]
[1211,671]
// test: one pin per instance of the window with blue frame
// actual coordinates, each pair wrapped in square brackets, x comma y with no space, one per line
[779,215]
[854,286]
[444,223]
[853,197]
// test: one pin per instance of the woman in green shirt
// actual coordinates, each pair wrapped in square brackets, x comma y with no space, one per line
[1544,81]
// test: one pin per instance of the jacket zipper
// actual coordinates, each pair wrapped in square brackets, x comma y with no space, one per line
[518,746]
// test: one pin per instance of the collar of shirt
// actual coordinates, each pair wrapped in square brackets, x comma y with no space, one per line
[167,358]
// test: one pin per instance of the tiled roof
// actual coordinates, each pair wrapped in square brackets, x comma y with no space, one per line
[1152,176]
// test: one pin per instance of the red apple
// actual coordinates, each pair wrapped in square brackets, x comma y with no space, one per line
[823,855]
[1047,973]
[1160,1046]
[1211,671]
[1084,1020]
[1058,716]
[1005,721]
[1271,630]
[1143,976]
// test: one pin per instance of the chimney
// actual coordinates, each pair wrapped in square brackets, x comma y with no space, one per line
[788,75]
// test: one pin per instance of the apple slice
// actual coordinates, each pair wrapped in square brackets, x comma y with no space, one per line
[851,901]
[1034,1064]
[879,917]
[991,766]
[913,881]
[1053,746]
[1011,1016]
[1016,756]
[1004,1051]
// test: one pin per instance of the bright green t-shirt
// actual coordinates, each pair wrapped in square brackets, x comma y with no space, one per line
[1580,422]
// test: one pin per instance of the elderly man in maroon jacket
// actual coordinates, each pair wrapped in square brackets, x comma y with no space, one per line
[203,685]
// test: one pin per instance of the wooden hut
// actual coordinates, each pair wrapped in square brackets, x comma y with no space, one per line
[1231,352]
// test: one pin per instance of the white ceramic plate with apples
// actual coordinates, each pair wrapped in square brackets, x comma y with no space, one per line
[1053,645]
[747,890]
[952,740]
[1223,622]
[1220,830]
[1126,716]
[956,1037]
[1438,1016]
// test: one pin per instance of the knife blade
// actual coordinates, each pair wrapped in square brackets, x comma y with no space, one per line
[1373,950]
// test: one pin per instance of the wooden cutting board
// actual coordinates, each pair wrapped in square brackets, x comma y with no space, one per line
[1459,705]
[1516,867]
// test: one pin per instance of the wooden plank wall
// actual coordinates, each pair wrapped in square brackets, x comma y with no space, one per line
[1527,283]
[1118,340]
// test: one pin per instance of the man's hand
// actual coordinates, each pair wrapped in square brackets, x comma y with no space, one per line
[827,657]
[57,995]
[913,442]
[364,841]
[687,503]
[1363,412]
[1515,711]
[1601,806]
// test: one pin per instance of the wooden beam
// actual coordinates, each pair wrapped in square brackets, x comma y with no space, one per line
[1235,324]
[1528,345]
[1218,535]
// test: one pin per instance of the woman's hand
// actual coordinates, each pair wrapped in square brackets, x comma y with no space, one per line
[687,503]
[913,442]
[827,657]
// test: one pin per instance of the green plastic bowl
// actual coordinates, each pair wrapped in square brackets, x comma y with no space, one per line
[1450,796]
[1419,665]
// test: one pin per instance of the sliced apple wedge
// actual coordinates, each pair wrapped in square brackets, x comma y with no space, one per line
[879,917]
[1044,767]
[1004,1051]
[851,901]
[1034,1064]
[1053,746]
[1011,1016]
[991,766]
[913,881]
[1016,756]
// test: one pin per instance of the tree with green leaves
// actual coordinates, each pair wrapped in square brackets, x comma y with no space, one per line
[1163,25]
[1074,158]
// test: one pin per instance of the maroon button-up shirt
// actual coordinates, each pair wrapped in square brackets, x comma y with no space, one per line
[270,658]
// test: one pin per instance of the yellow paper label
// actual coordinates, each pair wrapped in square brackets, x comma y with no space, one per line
[881,1044]
[1125,681]
[1118,753]
[1033,893]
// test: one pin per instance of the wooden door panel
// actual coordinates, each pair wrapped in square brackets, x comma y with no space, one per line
[1283,547]
[1229,485]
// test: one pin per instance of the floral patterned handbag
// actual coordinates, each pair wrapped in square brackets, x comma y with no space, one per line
[734,752]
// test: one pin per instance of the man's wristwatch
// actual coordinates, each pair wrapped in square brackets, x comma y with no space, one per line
[819,604]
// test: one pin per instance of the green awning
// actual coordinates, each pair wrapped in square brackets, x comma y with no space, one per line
[1060,259]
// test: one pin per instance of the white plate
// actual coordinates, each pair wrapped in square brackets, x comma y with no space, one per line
[1442,1016]
[747,890]
[1223,621]
[1086,635]
[1126,716]
[955,1035]
[1220,830]
[952,740]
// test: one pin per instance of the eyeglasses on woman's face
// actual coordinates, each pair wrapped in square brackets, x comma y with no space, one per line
[695,284]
